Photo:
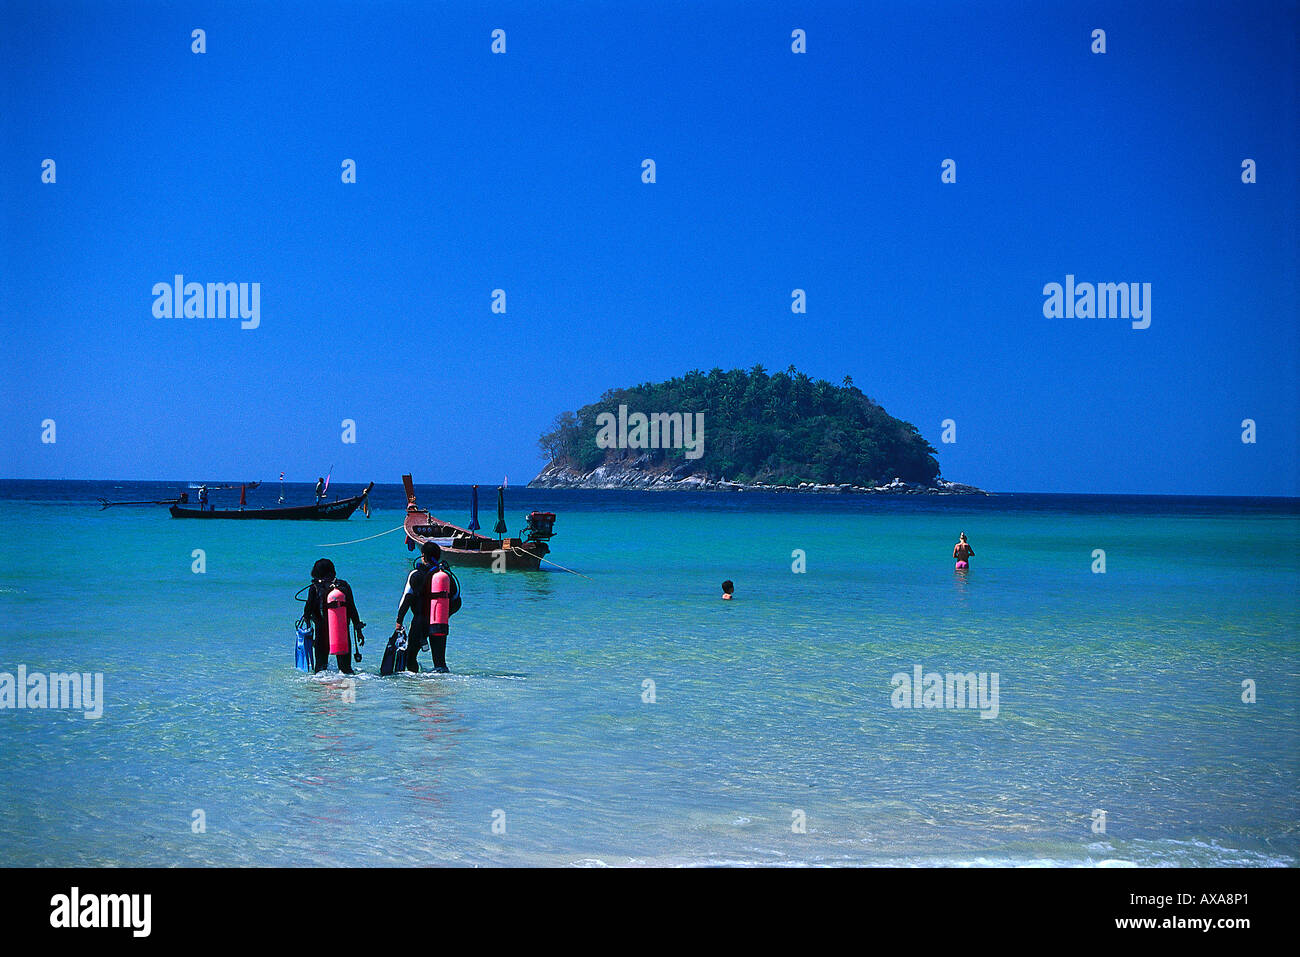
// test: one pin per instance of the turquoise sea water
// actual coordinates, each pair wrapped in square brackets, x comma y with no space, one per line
[1119,691]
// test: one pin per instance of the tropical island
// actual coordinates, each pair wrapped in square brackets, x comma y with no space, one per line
[740,430]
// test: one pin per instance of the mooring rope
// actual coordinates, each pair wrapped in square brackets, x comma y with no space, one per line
[519,548]
[366,539]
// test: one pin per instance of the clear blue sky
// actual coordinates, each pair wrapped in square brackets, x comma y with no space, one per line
[776,171]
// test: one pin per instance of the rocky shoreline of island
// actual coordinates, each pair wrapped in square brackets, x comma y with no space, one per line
[641,474]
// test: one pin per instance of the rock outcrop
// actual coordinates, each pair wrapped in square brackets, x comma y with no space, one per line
[641,473]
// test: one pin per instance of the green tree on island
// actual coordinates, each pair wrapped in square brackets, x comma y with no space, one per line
[783,428]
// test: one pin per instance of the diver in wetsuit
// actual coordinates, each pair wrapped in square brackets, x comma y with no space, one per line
[416,598]
[323,580]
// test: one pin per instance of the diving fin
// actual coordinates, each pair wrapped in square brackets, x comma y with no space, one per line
[304,650]
[395,654]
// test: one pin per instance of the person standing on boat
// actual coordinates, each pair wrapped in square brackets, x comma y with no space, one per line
[320,489]
[324,579]
[203,498]
[417,598]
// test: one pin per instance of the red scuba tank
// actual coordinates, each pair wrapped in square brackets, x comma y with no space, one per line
[440,602]
[336,614]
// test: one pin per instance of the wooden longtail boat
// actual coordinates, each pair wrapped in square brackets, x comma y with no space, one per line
[460,546]
[322,511]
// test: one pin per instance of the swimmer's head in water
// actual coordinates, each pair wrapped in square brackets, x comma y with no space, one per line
[728,587]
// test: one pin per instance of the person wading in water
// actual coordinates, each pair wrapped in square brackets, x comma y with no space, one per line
[324,579]
[427,625]
[416,599]
[962,550]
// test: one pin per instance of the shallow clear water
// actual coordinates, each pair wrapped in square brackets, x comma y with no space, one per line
[1119,691]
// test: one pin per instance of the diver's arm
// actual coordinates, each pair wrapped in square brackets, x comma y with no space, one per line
[407,595]
[352,607]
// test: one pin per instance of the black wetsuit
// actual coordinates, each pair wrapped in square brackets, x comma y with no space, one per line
[315,613]
[416,598]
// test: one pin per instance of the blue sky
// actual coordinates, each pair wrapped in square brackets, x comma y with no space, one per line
[522,171]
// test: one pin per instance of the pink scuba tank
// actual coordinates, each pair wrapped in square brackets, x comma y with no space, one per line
[440,603]
[336,616]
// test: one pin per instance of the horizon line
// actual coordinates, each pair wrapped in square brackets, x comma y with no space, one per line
[398,483]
